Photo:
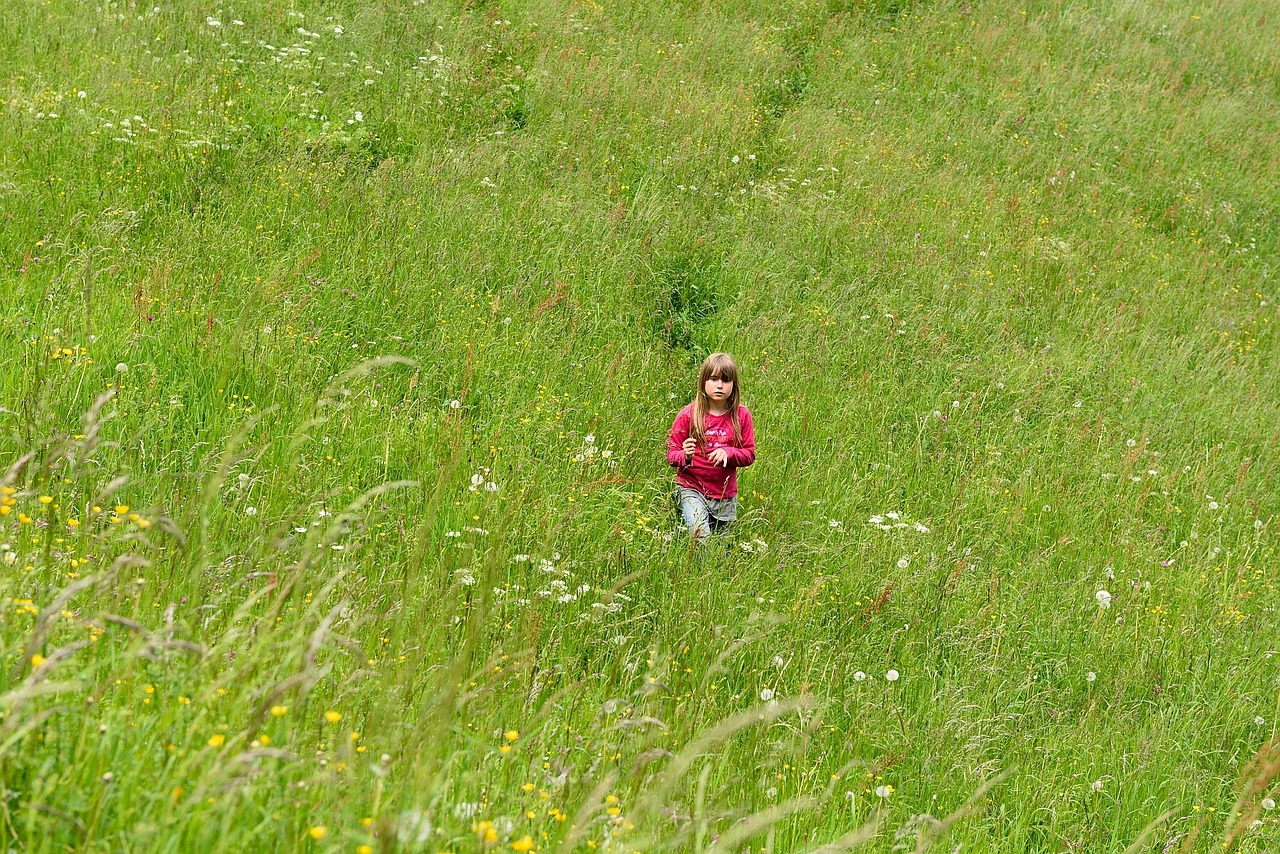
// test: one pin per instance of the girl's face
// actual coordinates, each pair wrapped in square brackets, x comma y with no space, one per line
[718,389]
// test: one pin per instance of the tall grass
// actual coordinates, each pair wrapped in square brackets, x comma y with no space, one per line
[342,339]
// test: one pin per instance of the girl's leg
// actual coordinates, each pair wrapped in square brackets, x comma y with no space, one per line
[693,507]
[722,514]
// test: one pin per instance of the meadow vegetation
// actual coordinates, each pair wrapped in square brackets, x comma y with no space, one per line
[340,339]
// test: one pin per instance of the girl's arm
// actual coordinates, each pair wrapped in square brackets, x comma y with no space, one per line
[745,453]
[675,439]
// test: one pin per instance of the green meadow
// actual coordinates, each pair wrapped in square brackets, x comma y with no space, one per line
[339,341]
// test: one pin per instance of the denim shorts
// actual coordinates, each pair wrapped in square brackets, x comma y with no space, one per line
[703,515]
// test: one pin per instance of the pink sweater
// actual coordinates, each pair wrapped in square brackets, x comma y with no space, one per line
[711,480]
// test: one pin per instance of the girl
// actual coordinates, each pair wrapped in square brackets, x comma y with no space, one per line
[709,441]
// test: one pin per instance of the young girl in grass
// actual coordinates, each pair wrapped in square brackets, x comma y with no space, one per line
[710,440]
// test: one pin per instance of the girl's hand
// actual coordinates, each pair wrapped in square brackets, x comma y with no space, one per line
[719,457]
[689,446]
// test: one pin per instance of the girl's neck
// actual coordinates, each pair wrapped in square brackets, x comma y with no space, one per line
[711,410]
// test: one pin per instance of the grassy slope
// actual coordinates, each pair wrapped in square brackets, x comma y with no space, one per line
[1005,269]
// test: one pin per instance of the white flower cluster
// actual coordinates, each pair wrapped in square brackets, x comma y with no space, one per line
[590,452]
[480,480]
[890,675]
[559,586]
[893,521]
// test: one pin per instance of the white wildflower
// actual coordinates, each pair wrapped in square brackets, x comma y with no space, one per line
[892,675]
[414,827]
[1104,599]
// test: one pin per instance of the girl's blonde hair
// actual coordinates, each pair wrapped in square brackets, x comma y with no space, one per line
[717,365]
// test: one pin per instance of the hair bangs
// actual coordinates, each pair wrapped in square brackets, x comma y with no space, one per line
[719,366]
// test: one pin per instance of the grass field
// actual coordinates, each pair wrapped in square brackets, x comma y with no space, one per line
[340,341]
